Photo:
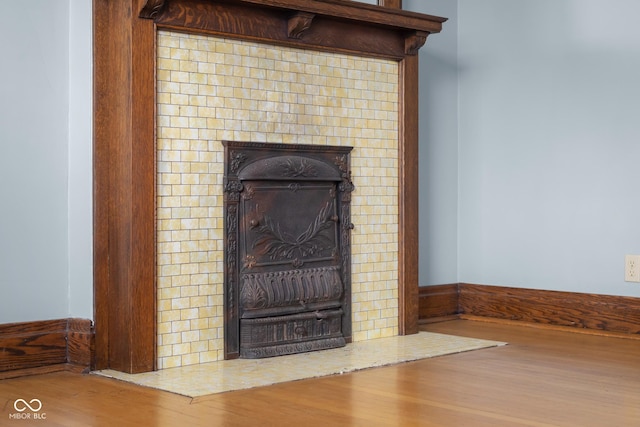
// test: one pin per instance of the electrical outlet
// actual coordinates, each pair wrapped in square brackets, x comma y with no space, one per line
[632,268]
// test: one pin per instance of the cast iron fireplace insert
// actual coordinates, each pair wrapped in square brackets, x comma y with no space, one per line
[287,222]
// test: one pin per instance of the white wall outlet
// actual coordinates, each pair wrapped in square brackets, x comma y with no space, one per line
[632,268]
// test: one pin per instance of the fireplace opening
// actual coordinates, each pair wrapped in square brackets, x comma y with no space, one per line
[287,248]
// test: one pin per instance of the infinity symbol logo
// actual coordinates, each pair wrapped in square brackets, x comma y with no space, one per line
[24,405]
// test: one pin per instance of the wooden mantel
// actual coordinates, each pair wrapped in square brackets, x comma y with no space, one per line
[334,25]
[124,138]
[349,11]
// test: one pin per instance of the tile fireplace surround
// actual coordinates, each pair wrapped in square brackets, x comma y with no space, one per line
[211,89]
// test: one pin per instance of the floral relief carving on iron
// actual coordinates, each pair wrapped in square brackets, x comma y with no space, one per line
[232,250]
[294,186]
[236,160]
[279,245]
[346,187]
[299,169]
[253,295]
[250,261]
[233,188]
[342,163]
[299,287]
[248,192]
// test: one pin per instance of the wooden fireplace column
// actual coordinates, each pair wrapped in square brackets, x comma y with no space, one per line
[125,125]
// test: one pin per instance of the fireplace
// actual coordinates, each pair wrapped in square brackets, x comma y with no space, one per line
[169,87]
[287,248]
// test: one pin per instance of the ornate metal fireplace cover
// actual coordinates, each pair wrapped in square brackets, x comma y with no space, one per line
[287,248]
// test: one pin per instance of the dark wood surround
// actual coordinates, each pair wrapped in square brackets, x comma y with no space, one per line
[583,311]
[124,137]
[124,166]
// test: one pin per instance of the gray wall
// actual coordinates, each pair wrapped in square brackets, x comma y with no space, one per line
[80,160]
[45,231]
[438,117]
[549,143]
[530,180]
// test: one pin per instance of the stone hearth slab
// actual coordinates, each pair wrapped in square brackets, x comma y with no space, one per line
[228,375]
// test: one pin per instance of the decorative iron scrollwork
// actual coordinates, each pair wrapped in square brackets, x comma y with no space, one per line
[249,261]
[287,255]
[248,192]
[342,163]
[235,160]
[304,287]
[294,186]
[233,188]
[279,245]
[302,168]
[253,295]
[346,187]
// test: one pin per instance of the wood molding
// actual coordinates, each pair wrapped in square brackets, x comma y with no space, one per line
[608,313]
[329,25]
[124,187]
[390,15]
[124,138]
[151,8]
[408,261]
[414,41]
[45,346]
[298,24]
[437,302]
[397,4]
[577,310]
[80,342]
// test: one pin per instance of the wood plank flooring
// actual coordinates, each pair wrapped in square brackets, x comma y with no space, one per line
[542,378]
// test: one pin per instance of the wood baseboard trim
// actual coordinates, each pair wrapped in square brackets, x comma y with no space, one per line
[572,310]
[439,301]
[438,319]
[570,329]
[80,343]
[29,348]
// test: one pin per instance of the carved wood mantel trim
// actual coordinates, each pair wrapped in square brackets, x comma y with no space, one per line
[151,8]
[338,25]
[299,23]
[124,137]
[390,15]
[413,42]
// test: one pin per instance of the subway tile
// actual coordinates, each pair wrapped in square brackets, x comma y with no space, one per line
[347,92]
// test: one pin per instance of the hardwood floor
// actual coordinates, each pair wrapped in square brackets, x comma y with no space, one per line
[542,378]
